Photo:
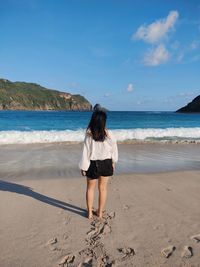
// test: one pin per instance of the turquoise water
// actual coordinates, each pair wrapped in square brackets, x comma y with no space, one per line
[62,120]
[48,126]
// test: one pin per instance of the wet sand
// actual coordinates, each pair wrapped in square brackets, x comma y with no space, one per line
[151,219]
[60,160]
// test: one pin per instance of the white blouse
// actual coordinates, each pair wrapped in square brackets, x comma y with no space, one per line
[97,150]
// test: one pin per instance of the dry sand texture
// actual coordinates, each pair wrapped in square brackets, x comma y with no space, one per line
[150,220]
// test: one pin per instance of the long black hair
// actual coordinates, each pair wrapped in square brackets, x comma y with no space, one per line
[97,125]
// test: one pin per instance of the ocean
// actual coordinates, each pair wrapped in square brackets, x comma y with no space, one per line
[60,126]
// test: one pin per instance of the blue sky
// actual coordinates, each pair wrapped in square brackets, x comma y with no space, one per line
[125,55]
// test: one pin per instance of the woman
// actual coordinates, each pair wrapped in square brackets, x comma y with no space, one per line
[98,160]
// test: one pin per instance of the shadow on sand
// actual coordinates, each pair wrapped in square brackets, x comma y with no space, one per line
[28,191]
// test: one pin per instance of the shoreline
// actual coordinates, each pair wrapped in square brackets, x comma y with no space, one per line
[60,160]
[132,142]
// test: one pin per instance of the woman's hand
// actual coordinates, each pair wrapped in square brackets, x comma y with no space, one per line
[83,173]
[113,165]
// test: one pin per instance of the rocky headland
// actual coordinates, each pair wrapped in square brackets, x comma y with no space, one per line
[32,96]
[192,107]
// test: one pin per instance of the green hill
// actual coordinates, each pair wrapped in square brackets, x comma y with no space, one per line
[32,96]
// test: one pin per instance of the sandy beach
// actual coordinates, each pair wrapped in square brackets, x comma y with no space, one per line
[99,88]
[152,218]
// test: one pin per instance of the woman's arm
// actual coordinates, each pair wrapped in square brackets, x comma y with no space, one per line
[85,159]
[114,148]
[83,173]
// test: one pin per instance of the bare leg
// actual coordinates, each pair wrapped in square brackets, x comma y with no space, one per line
[90,195]
[102,186]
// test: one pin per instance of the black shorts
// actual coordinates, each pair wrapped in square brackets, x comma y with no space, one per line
[99,168]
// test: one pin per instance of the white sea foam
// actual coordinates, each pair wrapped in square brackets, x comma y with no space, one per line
[153,133]
[28,137]
[25,137]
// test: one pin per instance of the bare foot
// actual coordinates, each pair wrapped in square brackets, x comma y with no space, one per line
[90,215]
[99,214]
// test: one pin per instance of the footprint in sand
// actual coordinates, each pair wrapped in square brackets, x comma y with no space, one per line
[65,236]
[168,189]
[111,215]
[126,252]
[93,232]
[106,229]
[52,241]
[126,207]
[196,238]
[95,253]
[187,252]
[55,249]
[86,262]
[167,252]
[101,226]
[69,258]
[66,220]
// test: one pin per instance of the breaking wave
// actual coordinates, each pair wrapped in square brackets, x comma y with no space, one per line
[28,137]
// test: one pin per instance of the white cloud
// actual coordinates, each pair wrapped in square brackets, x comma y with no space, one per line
[168,100]
[194,45]
[185,94]
[107,95]
[157,30]
[156,56]
[146,100]
[187,52]
[130,88]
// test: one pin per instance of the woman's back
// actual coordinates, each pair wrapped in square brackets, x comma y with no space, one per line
[100,150]
[99,155]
